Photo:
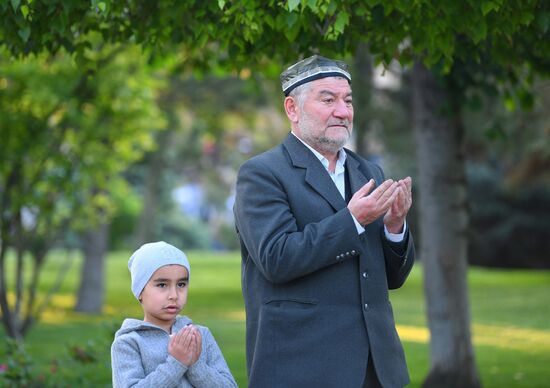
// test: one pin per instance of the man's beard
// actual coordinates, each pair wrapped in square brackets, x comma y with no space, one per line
[322,143]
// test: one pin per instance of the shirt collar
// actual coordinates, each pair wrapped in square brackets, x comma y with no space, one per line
[324,161]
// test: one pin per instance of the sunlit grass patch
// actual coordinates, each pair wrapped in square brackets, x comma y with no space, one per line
[506,337]
[413,334]
[513,338]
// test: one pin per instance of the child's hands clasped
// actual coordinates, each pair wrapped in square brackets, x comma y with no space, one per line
[186,345]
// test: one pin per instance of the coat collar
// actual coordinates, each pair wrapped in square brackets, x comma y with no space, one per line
[316,175]
[357,177]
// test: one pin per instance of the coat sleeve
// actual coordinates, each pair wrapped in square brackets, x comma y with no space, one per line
[269,231]
[127,369]
[399,259]
[211,370]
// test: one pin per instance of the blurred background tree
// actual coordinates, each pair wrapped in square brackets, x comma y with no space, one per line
[66,138]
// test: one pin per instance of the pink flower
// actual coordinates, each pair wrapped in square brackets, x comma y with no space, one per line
[3,368]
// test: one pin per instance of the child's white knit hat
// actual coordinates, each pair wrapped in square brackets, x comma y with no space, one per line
[150,257]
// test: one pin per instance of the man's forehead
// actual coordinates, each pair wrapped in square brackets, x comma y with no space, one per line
[331,85]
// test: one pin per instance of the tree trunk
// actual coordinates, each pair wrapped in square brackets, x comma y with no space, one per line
[443,224]
[152,189]
[92,284]
[147,218]
[362,90]
[8,318]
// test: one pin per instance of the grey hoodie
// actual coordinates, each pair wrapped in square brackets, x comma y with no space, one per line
[139,358]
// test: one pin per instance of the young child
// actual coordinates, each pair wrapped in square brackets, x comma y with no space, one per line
[165,349]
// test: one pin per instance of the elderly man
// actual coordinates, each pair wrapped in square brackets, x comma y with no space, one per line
[323,238]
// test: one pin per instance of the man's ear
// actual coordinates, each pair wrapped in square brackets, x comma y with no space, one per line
[291,109]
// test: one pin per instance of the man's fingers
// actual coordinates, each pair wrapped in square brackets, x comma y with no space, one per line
[390,197]
[407,183]
[365,189]
[382,190]
[400,201]
[407,191]
[385,190]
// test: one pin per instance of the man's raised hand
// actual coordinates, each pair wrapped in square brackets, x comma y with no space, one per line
[367,204]
[395,217]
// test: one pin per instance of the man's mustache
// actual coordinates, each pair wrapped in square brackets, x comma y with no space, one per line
[341,123]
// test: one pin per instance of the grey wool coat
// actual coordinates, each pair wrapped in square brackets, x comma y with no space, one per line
[315,291]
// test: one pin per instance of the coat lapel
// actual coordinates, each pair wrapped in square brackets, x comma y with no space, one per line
[316,175]
[356,178]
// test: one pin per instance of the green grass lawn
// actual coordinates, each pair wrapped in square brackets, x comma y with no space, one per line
[510,317]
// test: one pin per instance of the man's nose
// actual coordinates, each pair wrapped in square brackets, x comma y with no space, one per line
[342,109]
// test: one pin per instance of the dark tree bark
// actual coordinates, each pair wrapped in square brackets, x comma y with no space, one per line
[147,219]
[91,293]
[443,222]
[362,91]
[152,189]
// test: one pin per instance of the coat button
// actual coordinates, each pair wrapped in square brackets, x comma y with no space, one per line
[353,252]
[366,306]
[365,275]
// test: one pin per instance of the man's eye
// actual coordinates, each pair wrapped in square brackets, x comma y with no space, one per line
[182,284]
[328,100]
[161,285]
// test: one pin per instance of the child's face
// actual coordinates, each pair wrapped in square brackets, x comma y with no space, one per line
[165,295]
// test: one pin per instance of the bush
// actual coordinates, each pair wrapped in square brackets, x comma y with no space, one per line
[184,232]
[80,365]
[509,226]
[17,371]
[227,236]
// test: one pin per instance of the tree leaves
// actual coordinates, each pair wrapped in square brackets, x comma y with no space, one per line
[293,4]
[70,133]
[488,6]
[254,30]
[15,4]
[342,20]
[24,33]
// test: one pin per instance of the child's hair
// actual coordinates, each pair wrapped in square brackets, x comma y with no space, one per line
[150,257]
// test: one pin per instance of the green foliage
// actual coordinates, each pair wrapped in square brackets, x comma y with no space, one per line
[67,135]
[439,31]
[17,371]
[227,236]
[128,206]
[80,365]
[501,214]
[68,132]
[183,231]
